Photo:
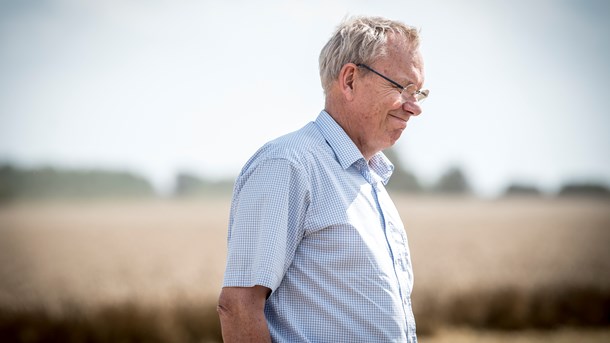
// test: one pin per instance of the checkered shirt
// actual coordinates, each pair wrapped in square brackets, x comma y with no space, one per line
[312,221]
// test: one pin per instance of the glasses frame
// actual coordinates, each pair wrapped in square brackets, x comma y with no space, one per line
[419,95]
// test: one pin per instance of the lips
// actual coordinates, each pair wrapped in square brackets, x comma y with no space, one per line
[399,118]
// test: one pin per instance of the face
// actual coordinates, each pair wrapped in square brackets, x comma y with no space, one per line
[379,113]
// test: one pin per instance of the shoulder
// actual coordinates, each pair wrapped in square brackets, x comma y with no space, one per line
[297,149]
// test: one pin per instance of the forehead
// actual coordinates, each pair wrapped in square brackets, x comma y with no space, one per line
[403,61]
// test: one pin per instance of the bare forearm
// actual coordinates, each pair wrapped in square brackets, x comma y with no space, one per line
[242,317]
[243,327]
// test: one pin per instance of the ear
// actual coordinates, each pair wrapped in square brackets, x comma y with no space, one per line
[347,77]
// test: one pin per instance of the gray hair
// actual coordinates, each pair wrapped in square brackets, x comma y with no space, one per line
[360,40]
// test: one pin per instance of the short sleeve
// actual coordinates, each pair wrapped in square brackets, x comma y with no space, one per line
[266,223]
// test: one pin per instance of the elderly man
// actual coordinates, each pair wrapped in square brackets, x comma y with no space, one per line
[316,249]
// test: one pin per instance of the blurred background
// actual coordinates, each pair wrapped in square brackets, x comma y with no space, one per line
[124,123]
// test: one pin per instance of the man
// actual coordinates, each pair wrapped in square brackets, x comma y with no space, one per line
[316,249]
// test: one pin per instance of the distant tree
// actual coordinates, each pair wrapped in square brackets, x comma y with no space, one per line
[521,189]
[584,189]
[402,180]
[7,182]
[48,182]
[453,181]
[187,184]
[190,185]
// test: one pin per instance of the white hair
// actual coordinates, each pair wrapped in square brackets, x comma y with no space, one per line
[360,40]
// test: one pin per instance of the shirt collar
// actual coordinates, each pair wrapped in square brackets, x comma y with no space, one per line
[382,166]
[346,151]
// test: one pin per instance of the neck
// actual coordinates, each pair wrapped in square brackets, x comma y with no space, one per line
[341,115]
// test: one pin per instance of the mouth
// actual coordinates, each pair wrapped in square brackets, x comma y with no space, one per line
[400,119]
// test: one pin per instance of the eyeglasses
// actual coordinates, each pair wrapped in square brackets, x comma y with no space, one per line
[405,92]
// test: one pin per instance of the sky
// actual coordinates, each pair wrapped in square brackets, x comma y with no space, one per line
[519,90]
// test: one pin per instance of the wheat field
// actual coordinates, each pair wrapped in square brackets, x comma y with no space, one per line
[480,266]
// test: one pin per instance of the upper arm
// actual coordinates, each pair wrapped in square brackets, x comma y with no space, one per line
[266,223]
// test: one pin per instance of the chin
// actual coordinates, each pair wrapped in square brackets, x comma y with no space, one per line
[390,144]
[395,138]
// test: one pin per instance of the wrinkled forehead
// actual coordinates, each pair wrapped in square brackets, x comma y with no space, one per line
[403,61]
[403,51]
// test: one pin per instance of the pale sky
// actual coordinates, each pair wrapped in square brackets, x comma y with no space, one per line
[519,89]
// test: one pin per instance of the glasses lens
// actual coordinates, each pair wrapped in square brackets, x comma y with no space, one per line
[411,91]
[422,95]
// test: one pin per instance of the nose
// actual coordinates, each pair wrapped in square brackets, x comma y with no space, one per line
[412,106]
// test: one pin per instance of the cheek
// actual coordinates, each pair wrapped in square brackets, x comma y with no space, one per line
[372,117]
[395,103]
[375,118]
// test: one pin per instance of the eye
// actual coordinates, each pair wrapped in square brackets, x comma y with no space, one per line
[397,87]
[411,89]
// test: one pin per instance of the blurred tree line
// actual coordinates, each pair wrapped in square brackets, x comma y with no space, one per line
[192,185]
[50,183]
[452,181]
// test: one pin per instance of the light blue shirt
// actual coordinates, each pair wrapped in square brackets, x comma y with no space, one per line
[312,221]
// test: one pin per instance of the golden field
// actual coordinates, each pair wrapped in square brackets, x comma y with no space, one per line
[506,270]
